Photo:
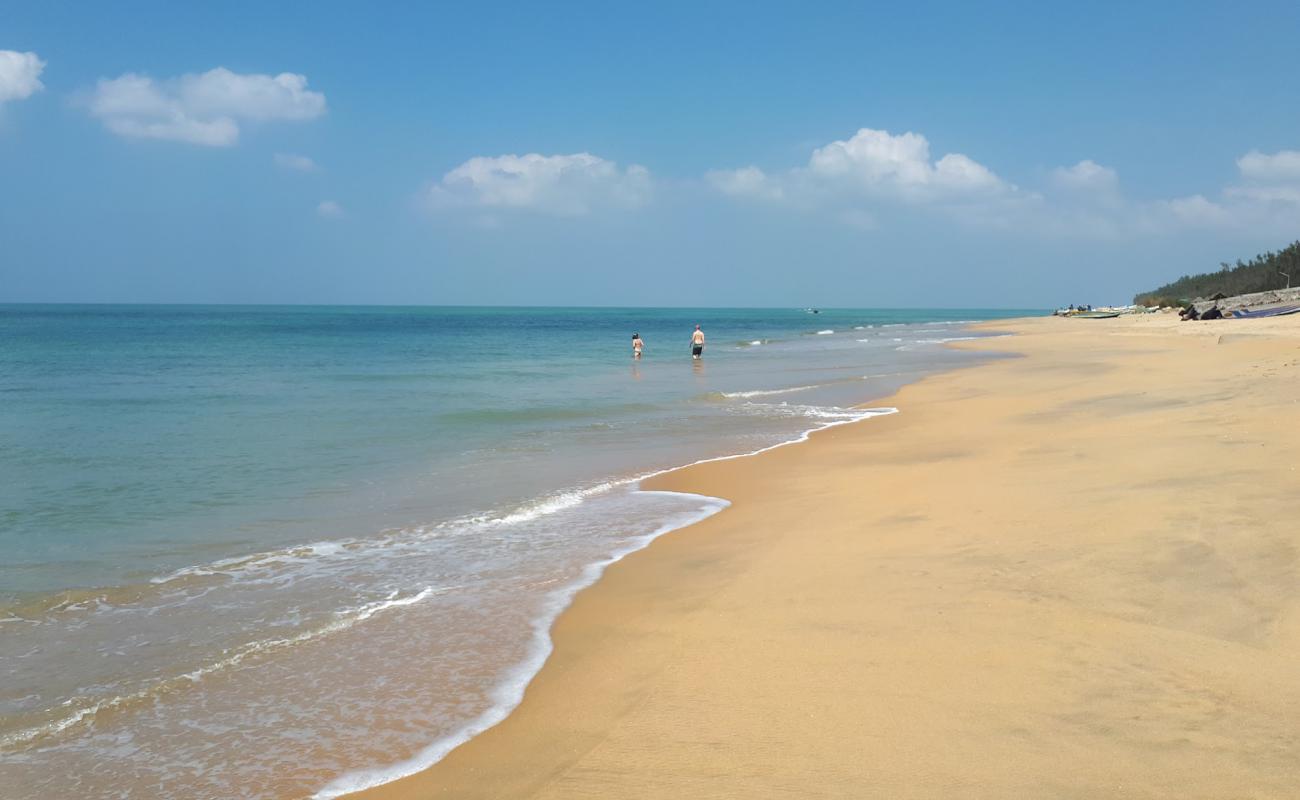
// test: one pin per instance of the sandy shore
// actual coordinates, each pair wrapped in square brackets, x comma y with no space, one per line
[1069,575]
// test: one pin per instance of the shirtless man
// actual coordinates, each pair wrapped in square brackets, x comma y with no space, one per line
[637,344]
[697,343]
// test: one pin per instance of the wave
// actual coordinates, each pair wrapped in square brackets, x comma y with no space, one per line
[769,392]
[825,332]
[87,710]
[507,695]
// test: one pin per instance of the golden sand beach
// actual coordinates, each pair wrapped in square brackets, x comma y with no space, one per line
[1070,574]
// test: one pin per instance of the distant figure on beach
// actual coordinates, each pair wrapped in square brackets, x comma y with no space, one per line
[697,343]
[637,344]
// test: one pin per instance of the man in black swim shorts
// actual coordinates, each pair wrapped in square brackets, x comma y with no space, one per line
[697,343]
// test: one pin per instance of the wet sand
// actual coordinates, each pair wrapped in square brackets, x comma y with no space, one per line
[1072,574]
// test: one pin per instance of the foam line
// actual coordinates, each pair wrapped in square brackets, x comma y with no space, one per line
[507,695]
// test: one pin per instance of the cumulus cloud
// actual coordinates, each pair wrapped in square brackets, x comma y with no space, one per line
[877,161]
[1087,175]
[874,176]
[295,162]
[1196,210]
[20,75]
[329,209]
[565,185]
[876,167]
[1282,166]
[205,109]
[1266,197]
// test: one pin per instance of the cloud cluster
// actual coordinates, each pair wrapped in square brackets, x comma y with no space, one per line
[861,181]
[854,179]
[1280,167]
[872,164]
[1266,196]
[20,75]
[563,185]
[204,109]
[878,162]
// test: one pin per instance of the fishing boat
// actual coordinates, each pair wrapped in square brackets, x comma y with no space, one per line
[1276,311]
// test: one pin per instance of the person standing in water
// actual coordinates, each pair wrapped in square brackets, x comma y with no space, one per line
[637,344]
[697,343]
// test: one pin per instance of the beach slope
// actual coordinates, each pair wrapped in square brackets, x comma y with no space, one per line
[1069,574]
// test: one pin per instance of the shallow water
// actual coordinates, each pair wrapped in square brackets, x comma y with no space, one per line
[256,551]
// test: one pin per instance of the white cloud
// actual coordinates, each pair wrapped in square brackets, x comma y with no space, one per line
[566,185]
[329,209]
[745,182]
[1282,166]
[875,175]
[1267,198]
[879,168]
[295,162]
[204,109]
[1196,210]
[877,162]
[20,75]
[1087,175]
[1283,194]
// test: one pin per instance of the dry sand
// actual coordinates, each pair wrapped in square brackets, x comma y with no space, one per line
[1068,575]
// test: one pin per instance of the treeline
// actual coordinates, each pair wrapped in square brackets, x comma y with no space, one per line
[1261,274]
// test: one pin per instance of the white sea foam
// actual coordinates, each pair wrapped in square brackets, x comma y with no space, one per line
[343,620]
[555,503]
[943,340]
[507,695]
[273,565]
[825,332]
[769,392]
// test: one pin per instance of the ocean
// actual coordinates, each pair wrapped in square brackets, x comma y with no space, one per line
[256,551]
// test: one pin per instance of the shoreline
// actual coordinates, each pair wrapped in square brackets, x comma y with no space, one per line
[510,693]
[950,632]
[375,781]
[326,638]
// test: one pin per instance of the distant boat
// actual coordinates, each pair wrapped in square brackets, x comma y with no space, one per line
[1279,311]
[1096,315]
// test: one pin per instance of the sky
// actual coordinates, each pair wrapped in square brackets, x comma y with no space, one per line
[1020,155]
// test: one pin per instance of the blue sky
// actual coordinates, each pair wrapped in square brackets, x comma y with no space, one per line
[640,154]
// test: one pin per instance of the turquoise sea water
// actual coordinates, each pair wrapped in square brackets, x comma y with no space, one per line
[206,513]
